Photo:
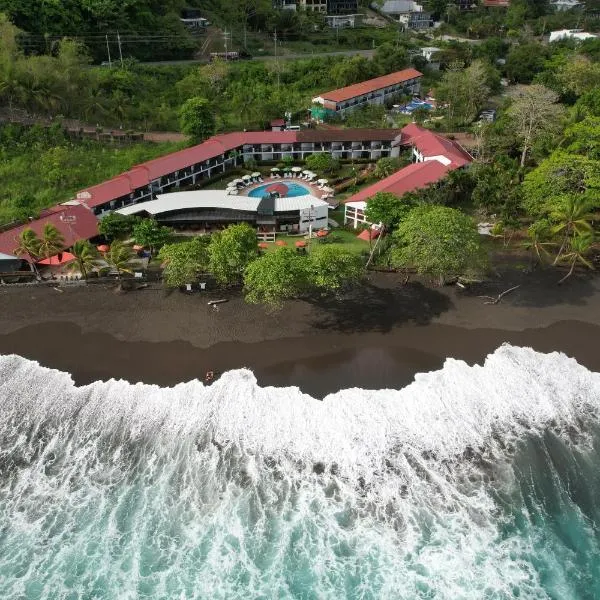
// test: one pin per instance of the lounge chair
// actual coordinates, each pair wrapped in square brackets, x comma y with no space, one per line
[261,180]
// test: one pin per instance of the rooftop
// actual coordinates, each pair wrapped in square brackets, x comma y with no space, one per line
[143,174]
[431,144]
[358,89]
[75,222]
[410,178]
[207,199]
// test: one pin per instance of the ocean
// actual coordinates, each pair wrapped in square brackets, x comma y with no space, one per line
[473,482]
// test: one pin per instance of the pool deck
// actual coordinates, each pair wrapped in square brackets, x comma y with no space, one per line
[312,187]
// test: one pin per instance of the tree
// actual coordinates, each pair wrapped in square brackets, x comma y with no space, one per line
[539,239]
[276,276]
[119,258]
[386,166]
[52,241]
[560,176]
[116,226]
[387,208]
[464,90]
[322,163]
[29,245]
[524,61]
[572,218]
[85,257]
[183,261]
[197,118]
[333,268]
[584,137]
[231,251]
[578,75]
[581,246]
[150,234]
[438,241]
[533,112]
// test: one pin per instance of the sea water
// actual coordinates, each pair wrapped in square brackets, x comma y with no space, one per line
[471,483]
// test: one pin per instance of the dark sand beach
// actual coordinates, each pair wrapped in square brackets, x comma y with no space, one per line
[380,335]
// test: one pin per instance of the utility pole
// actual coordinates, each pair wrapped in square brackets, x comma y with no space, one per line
[108,50]
[226,36]
[120,51]
[276,58]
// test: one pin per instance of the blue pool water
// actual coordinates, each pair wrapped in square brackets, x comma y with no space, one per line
[294,189]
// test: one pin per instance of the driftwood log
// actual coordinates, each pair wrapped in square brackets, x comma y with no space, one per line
[496,300]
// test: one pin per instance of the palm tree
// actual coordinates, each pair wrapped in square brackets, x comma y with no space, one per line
[29,245]
[581,244]
[85,257]
[572,219]
[52,241]
[539,241]
[119,258]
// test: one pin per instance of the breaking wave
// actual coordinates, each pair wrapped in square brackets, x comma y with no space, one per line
[472,482]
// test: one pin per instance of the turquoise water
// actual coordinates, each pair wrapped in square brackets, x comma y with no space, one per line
[294,189]
[471,483]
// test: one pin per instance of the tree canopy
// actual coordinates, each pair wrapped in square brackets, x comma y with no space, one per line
[151,234]
[276,276]
[183,261]
[438,241]
[387,208]
[231,251]
[197,118]
[322,162]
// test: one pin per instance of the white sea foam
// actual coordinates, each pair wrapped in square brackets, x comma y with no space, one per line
[237,491]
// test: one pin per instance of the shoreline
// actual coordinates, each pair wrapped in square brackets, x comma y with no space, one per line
[380,335]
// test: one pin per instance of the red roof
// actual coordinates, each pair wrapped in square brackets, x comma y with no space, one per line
[75,222]
[431,144]
[57,260]
[368,234]
[278,123]
[358,89]
[415,176]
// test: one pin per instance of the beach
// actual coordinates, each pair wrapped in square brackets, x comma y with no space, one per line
[377,336]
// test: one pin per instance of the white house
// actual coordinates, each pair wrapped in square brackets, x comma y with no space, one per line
[576,34]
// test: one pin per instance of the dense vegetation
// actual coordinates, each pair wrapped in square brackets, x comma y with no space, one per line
[40,167]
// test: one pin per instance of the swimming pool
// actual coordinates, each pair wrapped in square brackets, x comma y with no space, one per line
[293,189]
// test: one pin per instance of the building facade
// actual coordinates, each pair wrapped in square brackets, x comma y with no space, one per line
[434,157]
[341,7]
[209,209]
[222,152]
[374,91]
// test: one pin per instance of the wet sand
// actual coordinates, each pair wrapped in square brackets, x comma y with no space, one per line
[378,336]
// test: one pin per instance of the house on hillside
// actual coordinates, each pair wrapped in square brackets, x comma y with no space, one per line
[574,34]
[408,13]
[374,91]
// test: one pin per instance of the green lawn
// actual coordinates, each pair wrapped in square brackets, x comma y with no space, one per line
[343,238]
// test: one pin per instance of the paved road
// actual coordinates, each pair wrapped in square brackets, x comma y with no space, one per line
[367,53]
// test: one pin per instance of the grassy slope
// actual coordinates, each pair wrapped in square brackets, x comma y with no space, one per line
[49,173]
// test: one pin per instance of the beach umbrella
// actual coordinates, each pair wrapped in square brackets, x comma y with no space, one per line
[280,243]
[280,188]
[274,170]
[322,181]
[238,181]
[246,177]
[306,172]
[296,169]
[301,244]
[257,174]
[263,245]
[103,248]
